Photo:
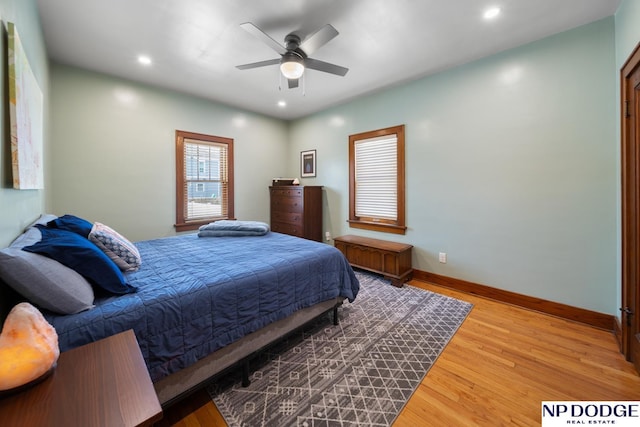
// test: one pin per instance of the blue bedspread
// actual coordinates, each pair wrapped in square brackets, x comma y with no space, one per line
[197,295]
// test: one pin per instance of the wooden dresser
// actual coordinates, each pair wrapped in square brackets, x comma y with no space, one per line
[297,210]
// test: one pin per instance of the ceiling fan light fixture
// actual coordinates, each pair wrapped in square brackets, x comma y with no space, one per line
[492,13]
[292,67]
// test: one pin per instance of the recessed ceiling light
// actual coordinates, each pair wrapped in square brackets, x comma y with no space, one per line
[282,104]
[491,13]
[144,60]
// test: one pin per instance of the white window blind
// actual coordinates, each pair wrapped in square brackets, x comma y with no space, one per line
[205,180]
[376,177]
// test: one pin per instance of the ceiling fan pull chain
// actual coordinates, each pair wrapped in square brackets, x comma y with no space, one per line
[304,85]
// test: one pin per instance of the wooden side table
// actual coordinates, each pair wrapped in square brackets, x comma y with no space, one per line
[105,383]
[391,259]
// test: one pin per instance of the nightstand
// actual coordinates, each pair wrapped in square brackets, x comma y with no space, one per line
[104,383]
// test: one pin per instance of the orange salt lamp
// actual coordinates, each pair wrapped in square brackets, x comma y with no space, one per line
[28,347]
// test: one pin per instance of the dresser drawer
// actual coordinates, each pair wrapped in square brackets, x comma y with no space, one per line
[288,217]
[282,227]
[287,204]
[286,192]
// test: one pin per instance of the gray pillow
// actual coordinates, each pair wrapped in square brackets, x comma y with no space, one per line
[45,282]
[31,234]
[30,237]
[42,219]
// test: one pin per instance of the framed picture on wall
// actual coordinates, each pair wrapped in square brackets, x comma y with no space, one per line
[308,163]
[25,118]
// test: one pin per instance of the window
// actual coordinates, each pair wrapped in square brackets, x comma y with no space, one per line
[376,180]
[204,179]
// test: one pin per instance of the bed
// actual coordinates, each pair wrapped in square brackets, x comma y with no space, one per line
[203,304]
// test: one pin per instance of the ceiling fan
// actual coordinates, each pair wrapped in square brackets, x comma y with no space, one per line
[295,54]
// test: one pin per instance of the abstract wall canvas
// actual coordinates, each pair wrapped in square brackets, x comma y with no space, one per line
[26,117]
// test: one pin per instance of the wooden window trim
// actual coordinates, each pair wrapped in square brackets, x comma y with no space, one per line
[183,224]
[398,226]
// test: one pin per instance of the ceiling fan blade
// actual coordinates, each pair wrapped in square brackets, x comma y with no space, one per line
[318,39]
[258,33]
[258,64]
[315,64]
[293,83]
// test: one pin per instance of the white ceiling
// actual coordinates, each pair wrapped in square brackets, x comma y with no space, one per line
[196,44]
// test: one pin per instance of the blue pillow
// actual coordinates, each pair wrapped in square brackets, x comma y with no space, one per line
[84,257]
[72,223]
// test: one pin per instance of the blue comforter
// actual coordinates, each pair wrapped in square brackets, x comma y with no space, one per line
[198,295]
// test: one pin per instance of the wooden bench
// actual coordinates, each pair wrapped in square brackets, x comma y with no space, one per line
[391,259]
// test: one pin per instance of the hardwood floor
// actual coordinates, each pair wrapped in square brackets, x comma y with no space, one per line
[498,368]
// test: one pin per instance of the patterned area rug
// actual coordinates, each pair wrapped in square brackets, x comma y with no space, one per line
[359,373]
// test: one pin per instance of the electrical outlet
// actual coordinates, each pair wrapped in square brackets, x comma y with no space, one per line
[327,236]
[442,257]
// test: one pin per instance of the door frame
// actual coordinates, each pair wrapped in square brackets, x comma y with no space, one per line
[630,195]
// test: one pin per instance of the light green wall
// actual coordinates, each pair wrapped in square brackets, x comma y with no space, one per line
[114,157]
[19,207]
[627,20]
[511,167]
